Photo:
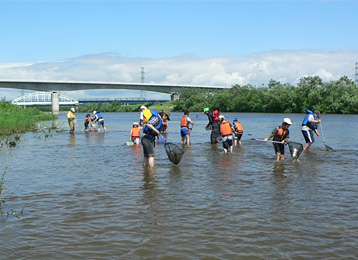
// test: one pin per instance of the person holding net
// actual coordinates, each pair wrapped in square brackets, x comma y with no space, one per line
[280,135]
[152,124]
[185,128]
[309,127]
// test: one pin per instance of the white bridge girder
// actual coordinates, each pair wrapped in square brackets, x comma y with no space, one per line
[56,86]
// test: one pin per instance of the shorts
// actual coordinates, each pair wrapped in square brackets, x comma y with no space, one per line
[184,131]
[148,145]
[101,123]
[238,136]
[227,141]
[135,140]
[308,135]
[279,148]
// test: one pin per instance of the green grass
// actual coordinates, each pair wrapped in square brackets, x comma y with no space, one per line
[15,119]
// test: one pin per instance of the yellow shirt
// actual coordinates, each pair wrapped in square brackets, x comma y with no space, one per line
[70,115]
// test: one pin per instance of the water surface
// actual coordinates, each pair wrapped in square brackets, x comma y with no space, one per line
[87,195]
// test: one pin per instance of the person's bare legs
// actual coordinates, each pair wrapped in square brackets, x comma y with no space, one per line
[148,161]
[307,146]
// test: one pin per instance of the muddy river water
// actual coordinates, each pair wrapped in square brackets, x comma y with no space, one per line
[87,195]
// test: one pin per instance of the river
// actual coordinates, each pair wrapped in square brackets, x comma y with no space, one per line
[87,195]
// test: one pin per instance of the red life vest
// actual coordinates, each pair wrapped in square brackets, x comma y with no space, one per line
[238,127]
[183,122]
[216,115]
[135,132]
[225,129]
[281,134]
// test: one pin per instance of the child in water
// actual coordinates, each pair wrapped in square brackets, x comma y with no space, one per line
[238,130]
[280,136]
[226,133]
[135,133]
[86,123]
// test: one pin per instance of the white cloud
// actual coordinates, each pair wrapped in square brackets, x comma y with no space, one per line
[255,69]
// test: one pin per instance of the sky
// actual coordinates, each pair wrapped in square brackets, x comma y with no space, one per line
[219,43]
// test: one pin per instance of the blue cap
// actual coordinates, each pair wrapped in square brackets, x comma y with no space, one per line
[235,119]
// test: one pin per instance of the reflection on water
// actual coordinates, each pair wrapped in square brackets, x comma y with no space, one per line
[88,196]
[279,168]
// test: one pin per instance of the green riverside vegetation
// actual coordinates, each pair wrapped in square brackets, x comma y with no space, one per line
[15,119]
[334,97]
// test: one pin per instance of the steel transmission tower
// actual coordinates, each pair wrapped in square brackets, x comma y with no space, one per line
[142,78]
[356,74]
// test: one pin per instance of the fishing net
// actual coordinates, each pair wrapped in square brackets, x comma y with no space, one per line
[328,148]
[174,152]
[295,149]
[161,139]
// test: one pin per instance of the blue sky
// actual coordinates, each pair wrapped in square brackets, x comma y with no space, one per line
[211,34]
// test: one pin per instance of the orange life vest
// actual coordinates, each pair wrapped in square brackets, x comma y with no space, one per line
[238,127]
[183,122]
[135,132]
[281,134]
[225,129]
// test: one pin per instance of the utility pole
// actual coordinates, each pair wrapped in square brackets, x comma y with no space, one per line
[142,78]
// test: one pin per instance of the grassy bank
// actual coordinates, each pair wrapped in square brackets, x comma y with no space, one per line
[15,119]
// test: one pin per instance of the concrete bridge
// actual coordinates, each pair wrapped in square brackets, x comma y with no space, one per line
[56,86]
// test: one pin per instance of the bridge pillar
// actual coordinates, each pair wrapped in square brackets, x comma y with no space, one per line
[174,96]
[55,100]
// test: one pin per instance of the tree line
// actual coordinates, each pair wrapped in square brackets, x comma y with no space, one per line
[334,97]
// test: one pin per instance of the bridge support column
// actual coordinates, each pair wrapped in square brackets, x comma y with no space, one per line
[55,100]
[174,96]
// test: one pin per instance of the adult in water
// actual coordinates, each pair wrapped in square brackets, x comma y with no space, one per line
[71,120]
[152,124]
[214,122]
[309,127]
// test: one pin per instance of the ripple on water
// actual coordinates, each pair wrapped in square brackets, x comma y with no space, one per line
[87,196]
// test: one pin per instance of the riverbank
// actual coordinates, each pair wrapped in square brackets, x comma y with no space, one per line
[15,119]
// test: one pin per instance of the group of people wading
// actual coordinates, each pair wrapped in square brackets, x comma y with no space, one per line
[96,121]
[153,124]
[281,134]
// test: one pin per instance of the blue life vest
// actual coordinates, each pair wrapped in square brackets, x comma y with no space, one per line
[310,125]
[157,124]
[99,115]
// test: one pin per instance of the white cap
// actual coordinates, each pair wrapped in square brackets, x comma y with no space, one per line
[287,121]
[135,123]
[143,107]
[94,112]
[221,118]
